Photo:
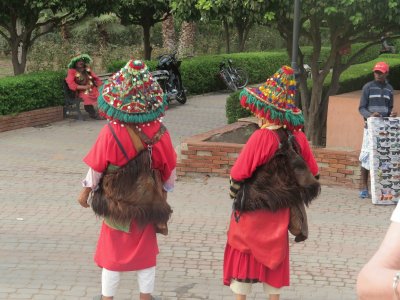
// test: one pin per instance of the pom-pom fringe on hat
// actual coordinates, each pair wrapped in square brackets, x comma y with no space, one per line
[132,95]
[274,100]
[85,57]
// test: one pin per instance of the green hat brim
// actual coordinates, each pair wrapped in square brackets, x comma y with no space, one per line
[85,57]
[268,111]
[112,113]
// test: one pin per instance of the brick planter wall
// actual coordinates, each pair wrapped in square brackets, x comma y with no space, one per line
[201,157]
[31,118]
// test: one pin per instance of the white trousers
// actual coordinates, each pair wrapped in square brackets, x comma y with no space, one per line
[244,288]
[364,154]
[110,281]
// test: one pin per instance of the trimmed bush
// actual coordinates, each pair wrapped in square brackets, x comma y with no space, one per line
[370,54]
[31,91]
[234,110]
[356,76]
[201,74]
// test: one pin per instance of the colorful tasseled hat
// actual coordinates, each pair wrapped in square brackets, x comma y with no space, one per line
[132,95]
[274,100]
[85,57]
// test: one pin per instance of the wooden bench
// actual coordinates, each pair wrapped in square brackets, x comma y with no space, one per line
[71,102]
[104,76]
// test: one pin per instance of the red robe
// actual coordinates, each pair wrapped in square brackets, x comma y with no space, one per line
[89,97]
[258,246]
[117,250]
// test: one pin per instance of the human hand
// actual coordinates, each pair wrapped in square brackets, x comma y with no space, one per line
[84,87]
[375,114]
[393,114]
[83,197]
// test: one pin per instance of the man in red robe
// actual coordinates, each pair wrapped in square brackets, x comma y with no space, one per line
[257,249]
[132,101]
[82,80]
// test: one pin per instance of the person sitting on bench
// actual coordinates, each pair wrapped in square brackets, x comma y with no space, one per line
[82,80]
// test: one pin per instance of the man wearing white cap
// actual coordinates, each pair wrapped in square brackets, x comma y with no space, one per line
[376,101]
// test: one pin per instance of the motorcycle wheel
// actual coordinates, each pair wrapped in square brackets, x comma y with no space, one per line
[181,97]
[226,77]
[241,78]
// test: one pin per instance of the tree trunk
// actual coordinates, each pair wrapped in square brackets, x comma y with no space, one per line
[243,32]
[64,31]
[168,33]
[304,95]
[240,30]
[313,124]
[146,41]
[227,36]
[187,38]
[104,36]
[333,89]
[19,47]
[18,57]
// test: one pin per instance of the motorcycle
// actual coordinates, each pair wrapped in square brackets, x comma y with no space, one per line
[387,46]
[233,77]
[168,76]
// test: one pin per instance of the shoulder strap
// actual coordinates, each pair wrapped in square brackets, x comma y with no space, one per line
[149,141]
[118,141]
[135,139]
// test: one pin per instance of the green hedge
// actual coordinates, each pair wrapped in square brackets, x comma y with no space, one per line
[31,91]
[234,110]
[370,54]
[352,79]
[201,74]
[356,76]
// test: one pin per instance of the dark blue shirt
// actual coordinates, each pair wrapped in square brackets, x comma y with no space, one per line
[376,97]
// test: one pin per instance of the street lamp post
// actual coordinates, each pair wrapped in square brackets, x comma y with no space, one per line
[296,29]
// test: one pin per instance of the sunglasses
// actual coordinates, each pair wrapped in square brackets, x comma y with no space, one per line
[383,152]
[387,185]
[388,139]
[384,159]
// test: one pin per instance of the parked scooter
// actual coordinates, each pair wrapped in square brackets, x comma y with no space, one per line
[387,46]
[169,77]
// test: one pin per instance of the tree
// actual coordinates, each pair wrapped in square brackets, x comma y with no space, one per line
[346,22]
[22,22]
[186,12]
[144,13]
[241,14]
[187,39]
[169,34]
[102,26]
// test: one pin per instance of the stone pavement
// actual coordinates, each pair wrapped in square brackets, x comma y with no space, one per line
[47,240]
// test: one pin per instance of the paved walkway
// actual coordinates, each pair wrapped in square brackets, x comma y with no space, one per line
[47,239]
